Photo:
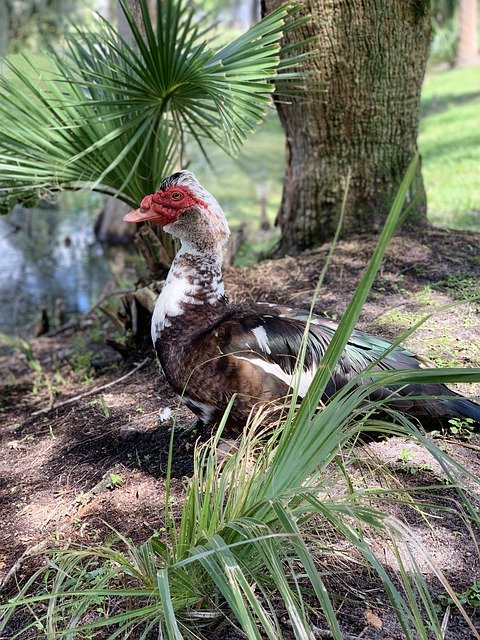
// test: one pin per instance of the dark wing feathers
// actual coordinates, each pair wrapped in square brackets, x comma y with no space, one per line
[284,333]
[259,344]
[283,340]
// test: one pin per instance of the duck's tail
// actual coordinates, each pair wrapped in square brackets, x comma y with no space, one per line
[436,405]
[464,409]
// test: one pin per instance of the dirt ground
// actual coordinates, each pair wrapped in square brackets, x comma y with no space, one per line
[67,473]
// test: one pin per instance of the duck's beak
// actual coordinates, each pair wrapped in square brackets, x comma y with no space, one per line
[147,211]
[137,215]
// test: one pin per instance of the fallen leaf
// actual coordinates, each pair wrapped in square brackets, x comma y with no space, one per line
[373,619]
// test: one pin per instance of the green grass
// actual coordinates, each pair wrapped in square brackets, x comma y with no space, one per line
[449,143]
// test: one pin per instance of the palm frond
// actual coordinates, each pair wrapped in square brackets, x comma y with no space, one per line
[111,115]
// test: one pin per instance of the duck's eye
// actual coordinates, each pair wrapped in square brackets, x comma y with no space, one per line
[176,195]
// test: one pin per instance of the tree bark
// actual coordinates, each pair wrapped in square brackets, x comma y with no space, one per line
[467,38]
[360,115]
[109,225]
[134,5]
[123,26]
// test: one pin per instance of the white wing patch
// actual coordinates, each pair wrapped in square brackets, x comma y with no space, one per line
[262,339]
[289,379]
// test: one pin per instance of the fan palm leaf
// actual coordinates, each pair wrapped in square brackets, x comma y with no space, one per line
[112,115]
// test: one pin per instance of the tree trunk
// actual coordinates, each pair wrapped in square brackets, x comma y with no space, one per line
[134,5]
[123,26]
[109,225]
[360,115]
[467,37]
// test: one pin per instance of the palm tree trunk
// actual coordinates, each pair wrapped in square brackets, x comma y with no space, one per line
[123,27]
[359,116]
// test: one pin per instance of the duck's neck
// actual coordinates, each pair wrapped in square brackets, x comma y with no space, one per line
[195,278]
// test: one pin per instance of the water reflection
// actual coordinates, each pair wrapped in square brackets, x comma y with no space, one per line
[47,254]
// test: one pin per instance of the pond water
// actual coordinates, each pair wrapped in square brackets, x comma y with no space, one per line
[45,255]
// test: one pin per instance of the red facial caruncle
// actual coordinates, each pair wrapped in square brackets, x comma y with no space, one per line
[165,206]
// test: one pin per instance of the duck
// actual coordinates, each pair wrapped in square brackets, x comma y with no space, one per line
[211,350]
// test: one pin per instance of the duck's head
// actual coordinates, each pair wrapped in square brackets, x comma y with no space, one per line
[182,207]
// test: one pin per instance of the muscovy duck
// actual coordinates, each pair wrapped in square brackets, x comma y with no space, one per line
[210,350]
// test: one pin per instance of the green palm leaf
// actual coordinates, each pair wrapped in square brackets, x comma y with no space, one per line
[112,115]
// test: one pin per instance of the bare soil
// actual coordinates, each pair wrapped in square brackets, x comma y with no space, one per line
[68,474]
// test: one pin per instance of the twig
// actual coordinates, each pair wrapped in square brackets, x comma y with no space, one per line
[467,445]
[91,392]
[65,327]
[117,292]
